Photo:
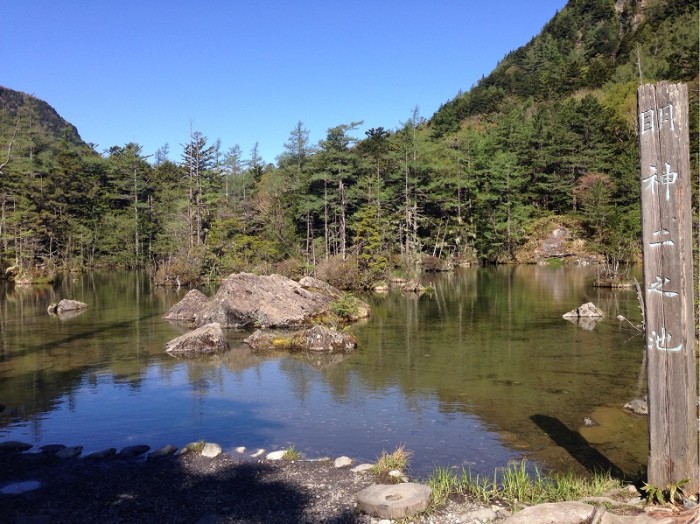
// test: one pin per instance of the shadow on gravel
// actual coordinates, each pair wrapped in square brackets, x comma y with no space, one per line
[167,491]
[577,446]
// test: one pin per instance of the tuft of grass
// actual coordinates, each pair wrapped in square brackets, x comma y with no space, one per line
[291,453]
[196,447]
[397,459]
[443,483]
[517,485]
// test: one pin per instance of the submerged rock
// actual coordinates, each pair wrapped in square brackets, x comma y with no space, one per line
[318,339]
[413,286]
[585,323]
[587,310]
[202,341]
[637,406]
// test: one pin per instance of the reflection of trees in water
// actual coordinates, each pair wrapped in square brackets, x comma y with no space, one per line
[491,342]
[44,359]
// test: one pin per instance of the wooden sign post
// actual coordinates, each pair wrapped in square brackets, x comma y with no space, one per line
[668,285]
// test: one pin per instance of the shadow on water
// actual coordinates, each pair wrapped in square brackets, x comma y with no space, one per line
[577,446]
[170,490]
[89,334]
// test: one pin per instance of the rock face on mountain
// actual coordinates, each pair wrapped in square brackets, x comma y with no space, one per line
[247,300]
[48,124]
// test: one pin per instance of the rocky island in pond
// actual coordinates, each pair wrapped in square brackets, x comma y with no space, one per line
[273,302]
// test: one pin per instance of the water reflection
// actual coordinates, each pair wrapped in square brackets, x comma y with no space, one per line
[460,376]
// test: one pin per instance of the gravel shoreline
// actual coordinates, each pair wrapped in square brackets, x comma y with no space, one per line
[188,488]
[56,485]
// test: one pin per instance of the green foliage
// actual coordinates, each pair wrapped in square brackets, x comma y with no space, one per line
[516,485]
[291,453]
[397,460]
[346,306]
[672,493]
[551,131]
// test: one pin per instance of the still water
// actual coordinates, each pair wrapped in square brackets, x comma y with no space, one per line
[480,372]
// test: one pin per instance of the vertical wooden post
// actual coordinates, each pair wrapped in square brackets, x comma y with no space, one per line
[668,285]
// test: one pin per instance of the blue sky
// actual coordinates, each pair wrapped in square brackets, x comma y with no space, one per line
[248,71]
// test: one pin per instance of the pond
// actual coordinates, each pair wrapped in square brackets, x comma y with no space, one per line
[480,372]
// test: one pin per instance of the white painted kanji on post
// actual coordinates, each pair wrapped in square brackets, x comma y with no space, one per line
[668,285]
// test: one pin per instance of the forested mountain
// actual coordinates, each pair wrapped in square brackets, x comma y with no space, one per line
[549,136]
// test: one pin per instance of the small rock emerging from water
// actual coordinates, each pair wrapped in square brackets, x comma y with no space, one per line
[101,455]
[52,448]
[14,446]
[211,450]
[133,451]
[65,306]
[587,310]
[637,406]
[342,462]
[202,341]
[163,452]
[69,453]
[276,455]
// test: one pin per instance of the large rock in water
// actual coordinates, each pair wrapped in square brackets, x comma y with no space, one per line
[187,309]
[247,300]
[202,341]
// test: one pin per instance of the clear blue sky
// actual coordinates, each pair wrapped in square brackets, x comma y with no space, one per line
[247,71]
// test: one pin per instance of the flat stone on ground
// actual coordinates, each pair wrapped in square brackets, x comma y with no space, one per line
[554,513]
[394,501]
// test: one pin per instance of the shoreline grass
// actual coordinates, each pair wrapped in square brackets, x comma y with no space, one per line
[387,462]
[518,485]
